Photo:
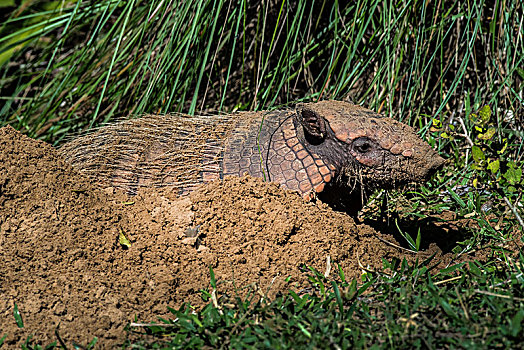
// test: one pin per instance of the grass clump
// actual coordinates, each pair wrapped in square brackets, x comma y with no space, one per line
[86,63]
[402,306]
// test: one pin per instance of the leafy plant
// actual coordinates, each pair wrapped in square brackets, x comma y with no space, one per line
[494,167]
[492,157]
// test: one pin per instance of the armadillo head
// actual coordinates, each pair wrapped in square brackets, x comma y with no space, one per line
[365,148]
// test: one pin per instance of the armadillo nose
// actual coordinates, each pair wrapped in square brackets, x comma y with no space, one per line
[437,163]
[428,164]
[440,162]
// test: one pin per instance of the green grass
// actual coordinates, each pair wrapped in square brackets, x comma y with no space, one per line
[67,66]
[80,64]
[405,307]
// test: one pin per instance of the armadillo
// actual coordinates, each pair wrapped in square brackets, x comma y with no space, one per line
[331,150]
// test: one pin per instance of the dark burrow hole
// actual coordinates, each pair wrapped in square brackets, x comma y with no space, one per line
[444,233]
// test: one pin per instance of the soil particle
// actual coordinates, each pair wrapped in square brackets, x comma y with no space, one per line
[63,266]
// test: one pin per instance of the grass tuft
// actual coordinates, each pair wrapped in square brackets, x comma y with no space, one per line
[401,307]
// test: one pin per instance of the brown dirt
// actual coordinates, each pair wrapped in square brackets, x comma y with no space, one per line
[62,262]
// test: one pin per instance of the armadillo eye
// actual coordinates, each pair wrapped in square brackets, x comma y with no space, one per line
[362,145]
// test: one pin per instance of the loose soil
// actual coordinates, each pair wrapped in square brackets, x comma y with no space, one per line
[63,265]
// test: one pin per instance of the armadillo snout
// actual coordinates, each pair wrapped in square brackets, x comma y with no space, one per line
[428,165]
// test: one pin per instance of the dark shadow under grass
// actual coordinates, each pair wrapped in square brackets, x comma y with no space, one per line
[433,229]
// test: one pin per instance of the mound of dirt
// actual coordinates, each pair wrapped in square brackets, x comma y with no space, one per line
[63,264]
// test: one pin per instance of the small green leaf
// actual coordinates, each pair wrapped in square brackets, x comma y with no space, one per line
[488,134]
[474,269]
[304,330]
[456,197]
[52,346]
[436,125]
[485,135]
[444,135]
[196,320]
[513,174]
[7,3]
[297,298]
[18,317]
[492,26]
[520,72]
[213,280]
[122,239]
[186,324]
[353,291]
[92,344]
[516,323]
[476,167]
[477,153]
[407,237]
[494,166]
[485,114]
[3,339]
[364,287]
[504,147]
[452,268]
[341,274]
[338,298]
[447,308]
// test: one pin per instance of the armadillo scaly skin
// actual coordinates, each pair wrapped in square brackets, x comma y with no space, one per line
[332,150]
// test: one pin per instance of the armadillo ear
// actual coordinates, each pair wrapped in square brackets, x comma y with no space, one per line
[314,125]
